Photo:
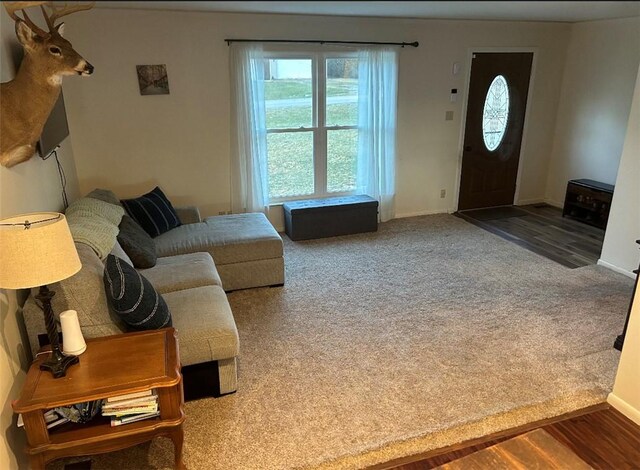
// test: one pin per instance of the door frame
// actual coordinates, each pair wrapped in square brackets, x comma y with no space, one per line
[463,117]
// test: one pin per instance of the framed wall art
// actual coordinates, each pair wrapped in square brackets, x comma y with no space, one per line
[153,79]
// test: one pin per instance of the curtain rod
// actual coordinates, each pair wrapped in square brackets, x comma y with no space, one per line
[318,41]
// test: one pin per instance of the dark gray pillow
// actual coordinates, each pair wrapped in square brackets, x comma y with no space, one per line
[137,243]
[132,297]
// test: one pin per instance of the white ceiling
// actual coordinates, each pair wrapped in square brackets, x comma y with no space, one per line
[518,11]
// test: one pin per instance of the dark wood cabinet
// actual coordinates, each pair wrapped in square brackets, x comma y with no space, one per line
[588,201]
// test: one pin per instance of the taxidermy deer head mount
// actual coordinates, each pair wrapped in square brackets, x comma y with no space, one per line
[27,100]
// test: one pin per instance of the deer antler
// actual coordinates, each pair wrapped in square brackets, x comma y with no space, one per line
[13,7]
[59,12]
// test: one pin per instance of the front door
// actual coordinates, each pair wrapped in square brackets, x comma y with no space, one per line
[493,130]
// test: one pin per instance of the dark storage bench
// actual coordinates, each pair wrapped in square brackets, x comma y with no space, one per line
[330,217]
[588,201]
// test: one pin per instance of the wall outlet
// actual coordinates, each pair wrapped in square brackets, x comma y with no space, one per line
[443,193]
[448,116]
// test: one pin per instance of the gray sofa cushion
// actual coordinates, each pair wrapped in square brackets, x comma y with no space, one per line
[137,243]
[205,324]
[120,253]
[230,239]
[180,272]
[188,214]
[132,297]
[83,292]
[258,273]
[105,195]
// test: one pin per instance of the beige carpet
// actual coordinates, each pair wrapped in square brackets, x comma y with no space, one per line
[426,333]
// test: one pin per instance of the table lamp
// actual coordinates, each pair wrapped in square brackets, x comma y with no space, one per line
[35,250]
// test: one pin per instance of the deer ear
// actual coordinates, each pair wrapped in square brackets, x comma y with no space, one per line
[26,35]
[60,29]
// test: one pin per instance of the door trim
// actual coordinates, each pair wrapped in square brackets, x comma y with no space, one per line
[463,117]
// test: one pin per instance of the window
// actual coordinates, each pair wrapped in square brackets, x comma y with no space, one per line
[306,125]
[496,113]
[311,105]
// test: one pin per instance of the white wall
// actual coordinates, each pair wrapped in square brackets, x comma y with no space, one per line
[626,389]
[599,76]
[619,250]
[181,141]
[27,187]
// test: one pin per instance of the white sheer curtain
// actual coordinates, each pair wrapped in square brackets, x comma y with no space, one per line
[377,102]
[249,183]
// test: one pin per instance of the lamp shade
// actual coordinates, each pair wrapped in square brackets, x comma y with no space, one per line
[35,250]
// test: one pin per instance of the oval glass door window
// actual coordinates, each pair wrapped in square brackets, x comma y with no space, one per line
[496,113]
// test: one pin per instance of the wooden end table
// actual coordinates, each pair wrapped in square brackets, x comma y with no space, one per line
[111,366]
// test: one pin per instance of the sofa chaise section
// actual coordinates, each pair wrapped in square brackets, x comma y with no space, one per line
[246,249]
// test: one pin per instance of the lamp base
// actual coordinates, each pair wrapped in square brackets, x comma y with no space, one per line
[58,364]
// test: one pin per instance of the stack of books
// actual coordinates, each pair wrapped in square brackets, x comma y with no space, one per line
[132,407]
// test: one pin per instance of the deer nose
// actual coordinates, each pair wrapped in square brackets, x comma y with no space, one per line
[88,69]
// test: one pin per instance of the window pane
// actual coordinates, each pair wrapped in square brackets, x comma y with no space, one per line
[496,113]
[288,91]
[342,92]
[342,150]
[290,156]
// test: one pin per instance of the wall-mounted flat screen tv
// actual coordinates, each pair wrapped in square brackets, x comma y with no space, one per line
[55,130]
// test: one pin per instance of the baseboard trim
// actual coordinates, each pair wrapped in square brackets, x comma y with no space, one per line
[615,268]
[405,215]
[553,203]
[624,408]
[419,213]
[526,202]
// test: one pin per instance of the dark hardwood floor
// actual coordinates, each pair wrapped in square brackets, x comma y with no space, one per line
[542,229]
[536,449]
[599,435]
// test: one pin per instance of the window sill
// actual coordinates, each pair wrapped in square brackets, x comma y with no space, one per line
[313,196]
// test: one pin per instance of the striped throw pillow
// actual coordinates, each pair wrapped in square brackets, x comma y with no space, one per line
[132,297]
[153,212]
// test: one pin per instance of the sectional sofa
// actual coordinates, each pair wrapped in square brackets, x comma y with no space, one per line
[197,262]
